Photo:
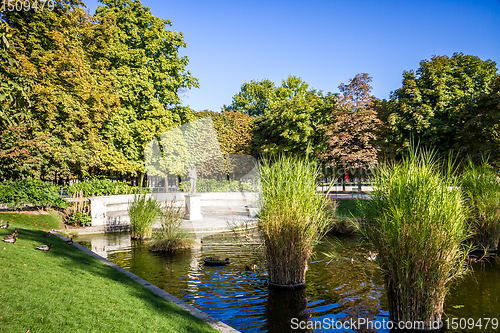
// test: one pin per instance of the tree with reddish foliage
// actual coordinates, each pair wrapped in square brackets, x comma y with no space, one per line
[352,134]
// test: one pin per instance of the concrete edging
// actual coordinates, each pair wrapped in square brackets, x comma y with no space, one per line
[217,324]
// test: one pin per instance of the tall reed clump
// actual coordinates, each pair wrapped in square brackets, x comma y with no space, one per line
[417,223]
[482,191]
[293,216]
[171,237]
[143,211]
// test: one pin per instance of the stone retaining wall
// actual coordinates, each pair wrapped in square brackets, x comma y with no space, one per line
[111,211]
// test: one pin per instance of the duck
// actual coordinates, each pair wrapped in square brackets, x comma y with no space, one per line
[69,241]
[12,235]
[371,256]
[4,226]
[251,268]
[44,247]
[46,234]
[10,240]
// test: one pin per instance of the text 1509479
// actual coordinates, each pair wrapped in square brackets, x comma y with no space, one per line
[26,5]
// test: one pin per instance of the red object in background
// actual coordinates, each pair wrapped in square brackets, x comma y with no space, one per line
[347,177]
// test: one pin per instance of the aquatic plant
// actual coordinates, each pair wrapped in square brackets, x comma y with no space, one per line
[482,191]
[417,223]
[143,211]
[292,218]
[171,237]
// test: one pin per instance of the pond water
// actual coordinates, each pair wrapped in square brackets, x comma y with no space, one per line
[347,287]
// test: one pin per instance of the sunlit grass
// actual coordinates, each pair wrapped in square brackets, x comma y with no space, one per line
[26,219]
[66,290]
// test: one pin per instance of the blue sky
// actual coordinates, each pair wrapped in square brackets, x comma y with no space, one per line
[323,42]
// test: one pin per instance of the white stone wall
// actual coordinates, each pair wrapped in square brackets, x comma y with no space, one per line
[112,210]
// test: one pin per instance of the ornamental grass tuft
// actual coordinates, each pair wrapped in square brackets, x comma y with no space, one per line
[143,211]
[482,190]
[171,237]
[292,218]
[417,223]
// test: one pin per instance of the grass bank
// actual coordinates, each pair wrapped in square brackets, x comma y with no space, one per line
[66,290]
[31,220]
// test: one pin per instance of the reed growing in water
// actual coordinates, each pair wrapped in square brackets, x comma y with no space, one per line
[171,237]
[482,190]
[417,223]
[293,216]
[143,211]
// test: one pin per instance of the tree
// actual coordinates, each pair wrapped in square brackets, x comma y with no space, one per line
[481,126]
[147,76]
[254,98]
[234,131]
[257,98]
[294,125]
[69,98]
[352,133]
[437,100]
[235,135]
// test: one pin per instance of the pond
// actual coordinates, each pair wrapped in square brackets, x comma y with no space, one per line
[338,289]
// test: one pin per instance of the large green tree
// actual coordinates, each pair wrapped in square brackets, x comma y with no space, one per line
[481,125]
[234,131]
[295,125]
[70,97]
[437,100]
[257,98]
[148,75]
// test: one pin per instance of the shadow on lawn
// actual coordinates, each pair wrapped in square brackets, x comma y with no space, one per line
[73,259]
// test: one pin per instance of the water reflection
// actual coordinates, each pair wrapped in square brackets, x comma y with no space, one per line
[289,305]
[349,287]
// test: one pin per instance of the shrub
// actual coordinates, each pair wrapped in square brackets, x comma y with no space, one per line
[418,226]
[171,237]
[98,187]
[143,212]
[212,185]
[78,213]
[293,216]
[482,191]
[21,192]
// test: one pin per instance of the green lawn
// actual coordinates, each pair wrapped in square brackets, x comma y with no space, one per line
[65,290]
[40,221]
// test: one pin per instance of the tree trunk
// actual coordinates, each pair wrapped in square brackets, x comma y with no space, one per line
[359,179]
